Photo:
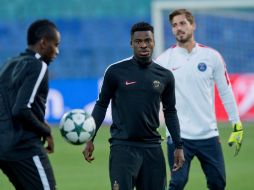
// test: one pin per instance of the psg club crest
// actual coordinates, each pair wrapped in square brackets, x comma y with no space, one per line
[202,67]
[156,84]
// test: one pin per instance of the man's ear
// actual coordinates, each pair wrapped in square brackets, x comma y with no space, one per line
[43,43]
[131,43]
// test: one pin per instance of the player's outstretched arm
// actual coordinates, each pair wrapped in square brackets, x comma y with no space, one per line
[236,137]
[88,151]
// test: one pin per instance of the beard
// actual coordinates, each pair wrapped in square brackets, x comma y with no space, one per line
[183,40]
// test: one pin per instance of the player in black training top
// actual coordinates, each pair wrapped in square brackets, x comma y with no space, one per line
[23,93]
[136,86]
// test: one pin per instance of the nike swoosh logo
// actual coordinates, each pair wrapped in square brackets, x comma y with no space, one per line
[129,83]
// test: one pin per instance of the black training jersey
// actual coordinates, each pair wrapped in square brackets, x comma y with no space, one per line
[25,80]
[135,91]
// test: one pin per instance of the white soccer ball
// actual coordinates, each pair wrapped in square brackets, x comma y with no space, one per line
[77,126]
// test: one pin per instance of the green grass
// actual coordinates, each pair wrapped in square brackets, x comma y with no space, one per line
[73,172]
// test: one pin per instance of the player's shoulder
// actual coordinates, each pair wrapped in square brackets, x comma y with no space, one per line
[28,63]
[210,50]
[211,54]
[118,64]
[164,58]
[167,52]
[35,64]
[32,59]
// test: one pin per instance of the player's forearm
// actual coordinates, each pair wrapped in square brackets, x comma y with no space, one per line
[30,121]
[173,127]
[230,105]
[98,114]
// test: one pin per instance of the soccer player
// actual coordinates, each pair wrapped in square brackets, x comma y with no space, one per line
[23,94]
[136,86]
[196,69]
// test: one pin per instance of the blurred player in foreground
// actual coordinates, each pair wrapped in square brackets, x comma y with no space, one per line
[23,94]
[196,69]
[136,86]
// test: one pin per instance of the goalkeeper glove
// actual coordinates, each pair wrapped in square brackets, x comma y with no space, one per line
[236,137]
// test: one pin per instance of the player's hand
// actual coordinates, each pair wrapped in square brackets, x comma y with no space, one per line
[178,159]
[48,140]
[236,137]
[50,144]
[88,151]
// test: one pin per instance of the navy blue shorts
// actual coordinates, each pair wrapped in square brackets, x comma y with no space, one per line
[210,156]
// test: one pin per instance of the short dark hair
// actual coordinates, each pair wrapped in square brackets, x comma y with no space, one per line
[40,29]
[141,26]
[185,12]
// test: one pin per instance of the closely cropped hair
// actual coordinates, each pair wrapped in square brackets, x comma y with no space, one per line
[141,26]
[185,12]
[40,29]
